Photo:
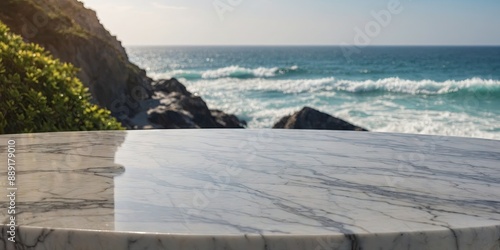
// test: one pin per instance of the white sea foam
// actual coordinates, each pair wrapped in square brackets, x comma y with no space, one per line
[234,71]
[262,102]
[170,74]
[330,84]
[429,122]
[397,85]
[238,71]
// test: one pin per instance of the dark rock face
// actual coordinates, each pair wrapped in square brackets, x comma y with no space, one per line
[172,85]
[175,107]
[171,119]
[309,118]
[227,120]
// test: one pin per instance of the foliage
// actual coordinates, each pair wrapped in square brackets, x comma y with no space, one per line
[41,94]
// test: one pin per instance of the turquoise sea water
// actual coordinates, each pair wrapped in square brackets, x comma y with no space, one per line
[425,90]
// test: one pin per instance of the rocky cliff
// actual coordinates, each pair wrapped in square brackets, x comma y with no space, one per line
[74,34]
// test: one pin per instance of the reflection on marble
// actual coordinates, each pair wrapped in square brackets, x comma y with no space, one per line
[254,189]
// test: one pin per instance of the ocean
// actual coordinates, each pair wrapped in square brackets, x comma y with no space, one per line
[452,91]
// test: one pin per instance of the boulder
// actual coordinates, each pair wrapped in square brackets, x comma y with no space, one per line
[171,119]
[175,107]
[309,118]
[227,120]
[169,86]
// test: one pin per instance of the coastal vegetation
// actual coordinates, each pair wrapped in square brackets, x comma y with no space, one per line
[39,93]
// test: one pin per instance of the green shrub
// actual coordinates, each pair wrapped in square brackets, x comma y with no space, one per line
[41,94]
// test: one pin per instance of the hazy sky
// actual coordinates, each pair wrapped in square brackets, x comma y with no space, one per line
[298,22]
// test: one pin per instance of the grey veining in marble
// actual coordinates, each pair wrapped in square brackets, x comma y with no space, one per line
[253,189]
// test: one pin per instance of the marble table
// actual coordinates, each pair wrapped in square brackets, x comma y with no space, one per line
[251,189]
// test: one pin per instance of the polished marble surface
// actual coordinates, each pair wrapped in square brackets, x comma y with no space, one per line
[253,189]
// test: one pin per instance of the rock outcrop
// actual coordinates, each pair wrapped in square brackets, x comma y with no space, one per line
[173,106]
[309,118]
